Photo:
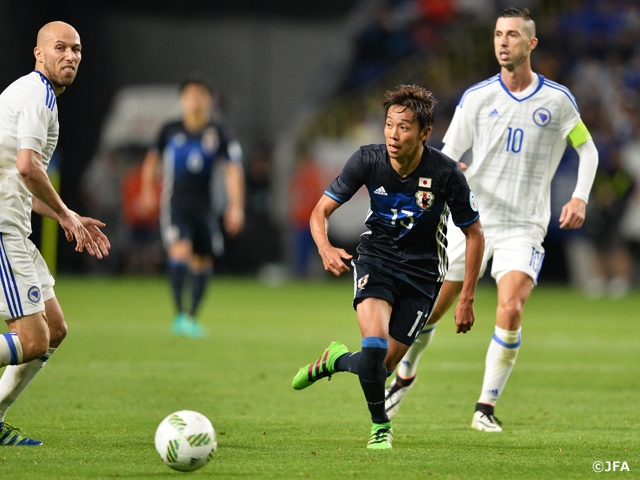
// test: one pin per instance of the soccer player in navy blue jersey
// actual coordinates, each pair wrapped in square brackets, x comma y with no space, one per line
[190,148]
[402,258]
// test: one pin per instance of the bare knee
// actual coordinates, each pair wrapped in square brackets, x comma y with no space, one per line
[57,334]
[33,334]
[33,347]
[510,314]
[55,321]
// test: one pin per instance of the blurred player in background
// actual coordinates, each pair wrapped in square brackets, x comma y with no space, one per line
[402,259]
[517,124]
[29,134]
[189,149]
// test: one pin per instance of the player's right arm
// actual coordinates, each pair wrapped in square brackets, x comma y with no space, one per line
[460,135]
[332,257]
[147,175]
[34,175]
[464,314]
[574,212]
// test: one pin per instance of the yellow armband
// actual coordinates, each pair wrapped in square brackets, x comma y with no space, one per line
[579,134]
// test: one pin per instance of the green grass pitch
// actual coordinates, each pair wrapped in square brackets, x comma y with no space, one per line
[573,398]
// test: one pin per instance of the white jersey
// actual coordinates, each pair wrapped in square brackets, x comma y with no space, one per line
[28,120]
[517,142]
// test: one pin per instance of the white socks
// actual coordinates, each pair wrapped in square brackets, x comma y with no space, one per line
[10,349]
[501,357]
[16,378]
[409,364]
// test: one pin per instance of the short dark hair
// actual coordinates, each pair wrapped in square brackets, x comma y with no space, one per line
[525,14]
[197,79]
[517,12]
[414,98]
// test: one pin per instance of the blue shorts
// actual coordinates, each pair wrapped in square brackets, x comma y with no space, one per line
[412,302]
[200,228]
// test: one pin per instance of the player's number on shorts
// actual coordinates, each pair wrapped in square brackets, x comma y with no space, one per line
[415,324]
[514,139]
[408,214]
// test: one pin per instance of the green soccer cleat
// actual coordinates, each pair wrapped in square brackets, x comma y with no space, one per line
[323,367]
[181,324]
[12,436]
[381,436]
[195,330]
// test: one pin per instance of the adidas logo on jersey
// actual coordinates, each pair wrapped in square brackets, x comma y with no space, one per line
[380,191]
[494,113]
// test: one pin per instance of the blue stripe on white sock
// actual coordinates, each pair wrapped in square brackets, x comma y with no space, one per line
[12,347]
[499,341]
[375,342]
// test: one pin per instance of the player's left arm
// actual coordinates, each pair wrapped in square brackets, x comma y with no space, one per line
[234,182]
[464,314]
[574,212]
[101,244]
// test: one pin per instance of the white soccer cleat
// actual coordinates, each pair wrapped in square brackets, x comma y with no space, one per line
[393,397]
[485,422]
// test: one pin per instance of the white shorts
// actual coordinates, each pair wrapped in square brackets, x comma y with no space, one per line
[25,280]
[522,253]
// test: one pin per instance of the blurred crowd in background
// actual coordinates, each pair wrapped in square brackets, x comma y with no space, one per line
[592,47]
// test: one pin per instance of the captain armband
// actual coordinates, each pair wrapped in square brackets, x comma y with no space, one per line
[579,134]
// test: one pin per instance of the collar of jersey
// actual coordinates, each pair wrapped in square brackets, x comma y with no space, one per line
[540,82]
[44,77]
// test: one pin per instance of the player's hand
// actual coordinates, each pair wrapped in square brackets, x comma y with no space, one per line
[463,166]
[332,259]
[73,229]
[100,245]
[464,316]
[233,220]
[573,214]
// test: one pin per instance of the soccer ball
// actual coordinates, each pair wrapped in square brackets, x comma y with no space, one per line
[186,440]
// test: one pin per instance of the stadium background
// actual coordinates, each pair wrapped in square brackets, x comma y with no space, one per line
[312,73]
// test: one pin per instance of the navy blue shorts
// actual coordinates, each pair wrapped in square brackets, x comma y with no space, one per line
[412,302]
[200,228]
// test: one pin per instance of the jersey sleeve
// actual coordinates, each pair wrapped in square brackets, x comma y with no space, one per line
[163,136]
[570,114]
[33,125]
[230,146]
[460,133]
[461,200]
[349,181]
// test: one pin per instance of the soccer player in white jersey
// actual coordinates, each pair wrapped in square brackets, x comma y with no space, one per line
[517,125]
[28,137]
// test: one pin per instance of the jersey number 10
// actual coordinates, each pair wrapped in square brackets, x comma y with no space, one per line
[514,140]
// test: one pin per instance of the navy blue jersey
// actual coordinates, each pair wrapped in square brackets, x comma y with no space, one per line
[407,217]
[189,160]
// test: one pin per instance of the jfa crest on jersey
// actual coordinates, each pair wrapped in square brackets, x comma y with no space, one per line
[424,199]
[517,142]
[407,215]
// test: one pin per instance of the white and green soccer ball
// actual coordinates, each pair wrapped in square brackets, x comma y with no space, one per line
[186,440]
